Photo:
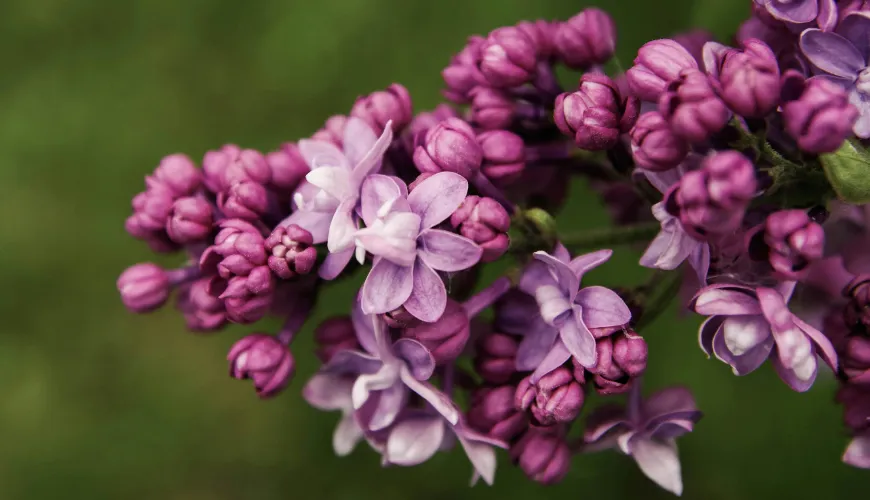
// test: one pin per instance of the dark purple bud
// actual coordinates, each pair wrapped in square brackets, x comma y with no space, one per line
[503,156]
[215,165]
[495,359]
[485,222]
[595,114]
[508,57]
[383,106]
[333,335]
[491,109]
[749,80]
[492,412]
[821,118]
[856,406]
[178,173]
[793,242]
[654,145]
[265,360]
[587,39]
[855,360]
[543,455]
[144,287]
[658,63]
[556,398]
[290,251]
[247,298]
[857,311]
[446,337]
[463,74]
[190,220]
[449,146]
[692,108]
[287,167]
[543,34]
[244,200]
[332,131]
[620,359]
[202,311]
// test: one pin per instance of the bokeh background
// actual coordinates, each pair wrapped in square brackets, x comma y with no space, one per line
[97,403]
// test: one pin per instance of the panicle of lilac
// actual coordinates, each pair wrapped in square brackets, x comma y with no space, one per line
[692,107]
[821,118]
[493,413]
[144,287]
[191,220]
[503,156]
[265,359]
[585,40]
[462,74]
[495,357]
[543,455]
[508,57]
[333,335]
[621,359]
[747,80]
[203,312]
[555,398]
[658,63]
[654,145]
[449,146]
[595,114]
[790,241]
[287,167]
[385,106]
[485,222]
[332,130]
[290,251]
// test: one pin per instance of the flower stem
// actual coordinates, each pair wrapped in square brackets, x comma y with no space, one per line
[603,237]
[661,289]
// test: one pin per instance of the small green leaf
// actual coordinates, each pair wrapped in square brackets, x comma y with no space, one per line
[848,171]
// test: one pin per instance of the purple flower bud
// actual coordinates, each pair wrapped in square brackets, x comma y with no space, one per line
[595,114]
[495,359]
[424,121]
[379,108]
[508,57]
[694,41]
[492,412]
[587,39]
[620,359]
[749,80]
[857,310]
[821,118]
[654,145]
[287,167]
[246,298]
[290,251]
[692,108]
[658,63]
[792,241]
[202,311]
[503,156]
[190,220]
[444,338]
[244,200]
[463,74]
[485,222]
[215,164]
[332,131]
[491,109]
[333,335]
[856,406]
[247,166]
[449,146]
[263,359]
[543,34]
[151,210]
[144,287]
[178,173]
[855,360]
[544,456]
[556,398]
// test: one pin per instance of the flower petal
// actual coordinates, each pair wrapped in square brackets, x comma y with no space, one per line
[858,452]
[428,297]
[749,362]
[604,420]
[562,273]
[363,325]
[554,359]
[316,223]
[800,375]
[328,391]
[743,333]
[335,263]
[319,154]
[699,259]
[482,458]
[534,347]
[790,11]
[446,251]
[602,307]
[342,228]
[712,55]
[862,102]
[535,274]
[660,405]
[660,462]
[726,300]
[823,345]
[415,355]
[387,287]
[365,384]
[437,197]
[586,262]
[554,305]
[832,53]
[708,330]
[440,401]
[334,181]
[578,340]
[391,401]
[357,140]
[346,436]
[415,440]
[396,240]
[377,190]
[855,28]
[371,162]
[349,362]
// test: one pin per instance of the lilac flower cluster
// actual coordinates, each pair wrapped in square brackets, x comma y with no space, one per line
[739,167]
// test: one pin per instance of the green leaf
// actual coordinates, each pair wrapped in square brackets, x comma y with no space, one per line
[848,171]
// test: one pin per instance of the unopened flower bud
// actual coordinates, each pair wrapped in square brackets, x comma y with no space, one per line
[620,358]
[503,156]
[446,337]
[558,397]
[333,335]
[492,412]
[495,359]
[332,131]
[265,360]
[144,287]
[287,167]
[692,108]
[595,114]
[657,64]
[463,74]
[508,57]
[244,200]
[178,173]
[544,456]
[748,80]
[202,311]
[855,360]
[450,146]
[290,251]
[379,108]
[190,220]
[821,118]
[543,34]
[491,109]
[791,242]
[654,145]
[486,222]
[587,39]
[856,406]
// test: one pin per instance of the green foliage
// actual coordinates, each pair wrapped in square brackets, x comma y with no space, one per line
[848,171]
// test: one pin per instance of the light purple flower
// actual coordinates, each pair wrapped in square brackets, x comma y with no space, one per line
[332,392]
[408,251]
[560,326]
[747,326]
[858,452]
[843,57]
[824,12]
[647,430]
[327,203]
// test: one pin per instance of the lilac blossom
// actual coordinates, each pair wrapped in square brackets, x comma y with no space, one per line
[799,12]
[747,326]
[408,251]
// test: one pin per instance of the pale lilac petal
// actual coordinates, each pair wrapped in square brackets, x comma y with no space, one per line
[791,11]
[662,244]
[342,228]
[861,101]
[535,275]
[428,297]
[561,253]
[564,275]
[387,287]
[446,251]
[827,18]
[553,305]
[440,402]
[357,140]
[586,262]
[602,307]
[534,347]
[416,356]
[394,240]
[346,436]
[316,223]
[707,332]
[660,462]
[377,191]
[437,197]
[712,55]
[482,458]
[391,401]
[415,440]
[800,376]
[334,181]
[725,300]
[832,53]
[555,358]
[347,362]
[823,345]
[742,334]
[371,162]
[318,154]
[328,391]
[858,452]
[749,362]
[605,420]
[855,28]
[578,340]
[666,402]
[675,427]
[335,263]
[363,325]
[365,384]
[699,259]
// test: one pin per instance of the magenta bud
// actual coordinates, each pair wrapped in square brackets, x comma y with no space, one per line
[144,287]
[556,398]
[332,131]
[151,209]
[857,311]
[178,173]
[424,121]
[290,251]
[215,165]
[587,39]
[202,311]
[287,167]
[463,74]
[792,242]
[495,359]
[333,335]
[485,222]
[855,360]
[247,166]
[263,359]
[543,455]
[446,337]
[692,108]
[503,156]
[190,220]
[508,57]
[543,35]
[379,108]
[248,298]
[449,146]
[595,114]
[654,145]
[492,412]
[491,109]
[749,80]
[821,118]
[856,406]
[244,200]
[657,64]
[620,358]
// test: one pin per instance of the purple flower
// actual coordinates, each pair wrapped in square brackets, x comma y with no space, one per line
[595,114]
[555,398]
[144,287]
[383,107]
[408,251]
[543,34]
[857,454]
[265,359]
[485,222]
[495,357]
[692,107]
[190,220]
[462,74]
[824,12]
[654,145]
[491,109]
[508,57]
[620,359]
[748,80]
[657,64]
[821,118]
[332,392]
[843,57]
[202,311]
[587,39]
[287,167]
[747,326]
[647,430]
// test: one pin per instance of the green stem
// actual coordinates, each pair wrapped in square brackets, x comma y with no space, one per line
[620,235]
[661,289]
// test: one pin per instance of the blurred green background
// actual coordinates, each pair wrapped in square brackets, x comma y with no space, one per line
[97,403]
